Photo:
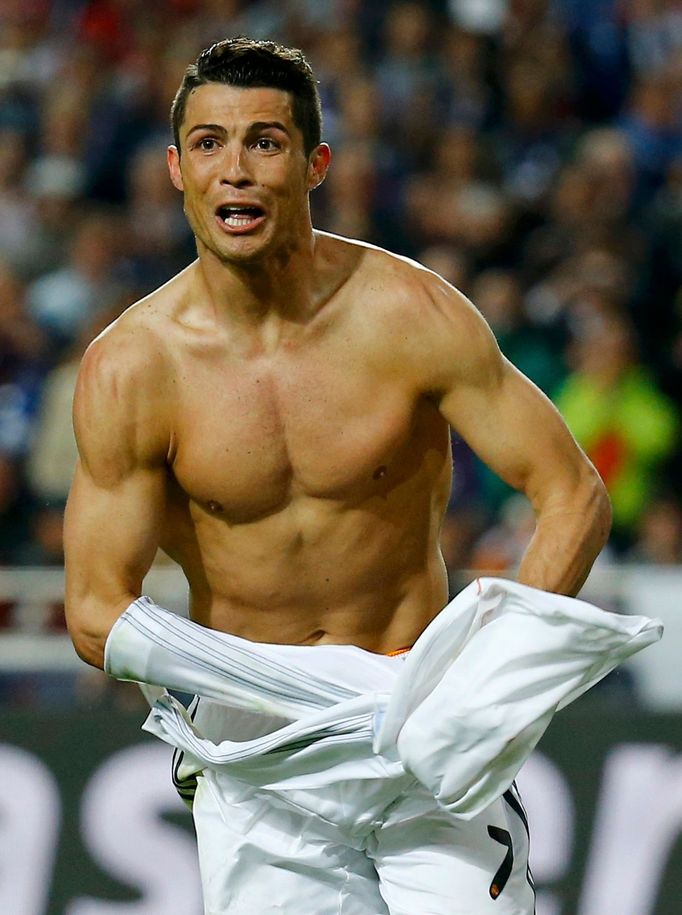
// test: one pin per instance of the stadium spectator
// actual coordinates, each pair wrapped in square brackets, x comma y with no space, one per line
[63,301]
[659,533]
[16,216]
[619,415]
[53,454]
[23,353]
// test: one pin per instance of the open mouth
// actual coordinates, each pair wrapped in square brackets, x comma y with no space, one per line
[238,217]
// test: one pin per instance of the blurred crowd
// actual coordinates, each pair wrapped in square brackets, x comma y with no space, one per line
[530,151]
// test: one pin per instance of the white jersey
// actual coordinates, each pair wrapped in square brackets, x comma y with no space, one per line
[348,746]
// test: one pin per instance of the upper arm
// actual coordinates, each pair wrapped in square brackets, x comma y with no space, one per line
[116,504]
[501,414]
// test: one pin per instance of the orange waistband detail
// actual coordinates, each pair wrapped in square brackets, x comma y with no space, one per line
[392,654]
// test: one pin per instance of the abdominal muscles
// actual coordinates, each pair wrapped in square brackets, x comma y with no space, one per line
[364,571]
[304,536]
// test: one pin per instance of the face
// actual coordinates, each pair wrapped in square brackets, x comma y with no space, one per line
[244,173]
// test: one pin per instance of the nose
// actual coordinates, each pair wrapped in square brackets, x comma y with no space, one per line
[235,170]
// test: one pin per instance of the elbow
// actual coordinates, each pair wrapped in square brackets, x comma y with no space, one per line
[88,649]
[597,507]
[89,646]
[88,631]
[90,619]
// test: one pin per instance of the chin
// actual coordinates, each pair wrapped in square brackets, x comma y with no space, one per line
[243,257]
[249,250]
[242,251]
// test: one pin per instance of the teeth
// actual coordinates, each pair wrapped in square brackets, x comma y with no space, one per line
[238,216]
[238,219]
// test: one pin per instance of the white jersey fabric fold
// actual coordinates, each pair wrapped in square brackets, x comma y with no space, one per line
[459,713]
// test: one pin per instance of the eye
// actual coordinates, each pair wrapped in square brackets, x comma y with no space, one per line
[267,144]
[207,144]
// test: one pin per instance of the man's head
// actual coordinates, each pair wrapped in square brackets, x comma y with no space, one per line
[247,63]
[247,123]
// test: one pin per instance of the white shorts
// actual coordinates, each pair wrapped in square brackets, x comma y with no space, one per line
[260,858]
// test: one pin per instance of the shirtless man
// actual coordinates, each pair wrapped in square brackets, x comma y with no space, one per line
[276,417]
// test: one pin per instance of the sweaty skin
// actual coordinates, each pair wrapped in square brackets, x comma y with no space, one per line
[276,418]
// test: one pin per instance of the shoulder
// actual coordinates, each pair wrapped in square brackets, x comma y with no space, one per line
[134,354]
[376,268]
[428,323]
[122,401]
[128,356]
[402,287]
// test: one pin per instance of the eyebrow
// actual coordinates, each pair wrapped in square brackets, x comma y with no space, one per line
[268,125]
[257,125]
[216,128]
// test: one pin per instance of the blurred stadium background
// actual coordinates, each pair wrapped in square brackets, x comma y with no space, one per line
[530,151]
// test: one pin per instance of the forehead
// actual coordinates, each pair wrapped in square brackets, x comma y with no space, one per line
[232,106]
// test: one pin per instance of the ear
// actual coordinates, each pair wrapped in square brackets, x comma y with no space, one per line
[318,165]
[173,159]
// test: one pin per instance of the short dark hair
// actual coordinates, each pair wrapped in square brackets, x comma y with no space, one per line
[250,63]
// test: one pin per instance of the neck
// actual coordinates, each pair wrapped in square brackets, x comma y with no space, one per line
[282,283]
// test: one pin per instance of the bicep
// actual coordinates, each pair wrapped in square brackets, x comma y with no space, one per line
[514,428]
[117,500]
[112,533]
[521,436]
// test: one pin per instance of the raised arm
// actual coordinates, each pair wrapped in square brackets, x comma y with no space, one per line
[520,435]
[116,504]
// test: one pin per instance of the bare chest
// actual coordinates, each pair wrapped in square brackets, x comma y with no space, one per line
[251,435]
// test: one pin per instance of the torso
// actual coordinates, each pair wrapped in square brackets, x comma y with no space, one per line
[306,484]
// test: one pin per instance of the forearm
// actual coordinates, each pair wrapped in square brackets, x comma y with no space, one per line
[151,645]
[570,532]
[144,643]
